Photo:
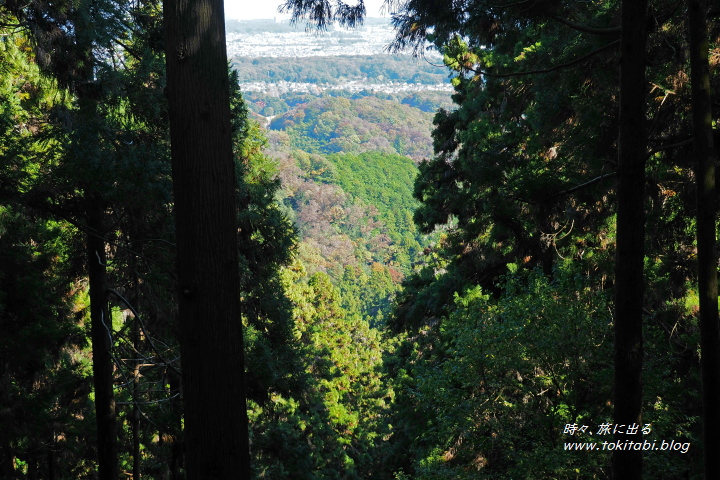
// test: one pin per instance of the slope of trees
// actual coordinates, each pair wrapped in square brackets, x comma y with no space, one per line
[48,386]
[359,233]
[515,187]
[478,344]
[334,125]
[268,105]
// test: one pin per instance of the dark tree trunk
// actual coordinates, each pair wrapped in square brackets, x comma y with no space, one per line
[211,345]
[7,462]
[627,464]
[87,147]
[707,260]
[52,461]
[135,419]
[100,325]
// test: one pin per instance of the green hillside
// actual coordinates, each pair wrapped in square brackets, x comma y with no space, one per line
[517,286]
[341,125]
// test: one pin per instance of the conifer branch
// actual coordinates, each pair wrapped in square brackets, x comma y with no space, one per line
[507,5]
[564,192]
[583,185]
[547,70]
[588,29]
[149,402]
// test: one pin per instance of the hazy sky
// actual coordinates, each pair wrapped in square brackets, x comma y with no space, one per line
[254,9]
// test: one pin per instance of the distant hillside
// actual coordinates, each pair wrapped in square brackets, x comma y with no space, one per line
[270,104]
[337,70]
[334,125]
[354,217]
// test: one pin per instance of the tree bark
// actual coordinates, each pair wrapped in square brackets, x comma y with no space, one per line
[100,323]
[627,464]
[211,343]
[706,213]
[87,146]
[135,416]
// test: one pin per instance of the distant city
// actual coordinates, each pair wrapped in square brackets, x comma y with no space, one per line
[259,39]
[366,40]
[353,86]
[270,38]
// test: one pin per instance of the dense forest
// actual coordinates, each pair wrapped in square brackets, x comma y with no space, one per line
[274,103]
[520,285]
[335,125]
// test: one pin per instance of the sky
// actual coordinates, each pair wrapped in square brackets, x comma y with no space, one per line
[254,9]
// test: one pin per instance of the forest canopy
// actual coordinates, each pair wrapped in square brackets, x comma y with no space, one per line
[427,291]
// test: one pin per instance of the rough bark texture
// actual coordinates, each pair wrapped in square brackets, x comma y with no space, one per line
[706,212]
[211,345]
[627,464]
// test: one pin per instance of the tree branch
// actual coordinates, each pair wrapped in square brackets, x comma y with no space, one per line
[547,70]
[583,185]
[142,327]
[586,28]
[652,152]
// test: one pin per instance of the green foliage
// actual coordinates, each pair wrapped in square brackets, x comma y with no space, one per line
[500,378]
[266,244]
[44,376]
[331,427]
[353,213]
[339,125]
[501,332]
[382,180]
[523,176]
[368,295]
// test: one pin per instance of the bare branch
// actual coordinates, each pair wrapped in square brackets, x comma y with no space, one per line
[670,147]
[149,402]
[142,327]
[583,185]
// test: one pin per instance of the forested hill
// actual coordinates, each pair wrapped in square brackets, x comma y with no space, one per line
[347,167]
[333,125]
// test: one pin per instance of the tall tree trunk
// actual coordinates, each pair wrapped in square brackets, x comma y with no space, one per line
[135,416]
[87,147]
[100,323]
[7,462]
[706,212]
[52,460]
[627,464]
[211,343]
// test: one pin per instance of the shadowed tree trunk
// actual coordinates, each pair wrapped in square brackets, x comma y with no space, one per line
[211,344]
[706,211]
[87,147]
[627,464]
[100,323]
